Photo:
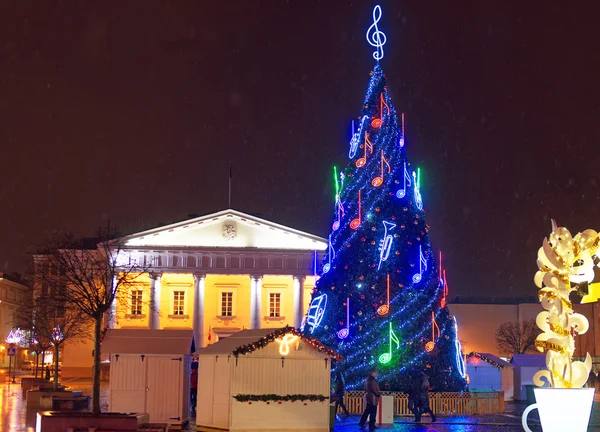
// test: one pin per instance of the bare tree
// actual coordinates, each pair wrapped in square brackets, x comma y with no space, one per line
[55,322]
[512,338]
[88,276]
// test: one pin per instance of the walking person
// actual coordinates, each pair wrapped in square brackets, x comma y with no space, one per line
[371,400]
[414,394]
[339,391]
[194,386]
[424,399]
[47,373]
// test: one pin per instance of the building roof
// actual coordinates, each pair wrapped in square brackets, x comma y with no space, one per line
[229,344]
[490,359]
[247,341]
[227,228]
[535,360]
[146,341]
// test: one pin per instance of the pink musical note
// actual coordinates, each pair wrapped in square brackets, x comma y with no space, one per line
[356,222]
[378,181]
[378,121]
[367,146]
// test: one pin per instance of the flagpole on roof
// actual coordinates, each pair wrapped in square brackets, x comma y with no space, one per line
[229,202]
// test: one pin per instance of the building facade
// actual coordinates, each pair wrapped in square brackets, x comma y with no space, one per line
[215,274]
[13,294]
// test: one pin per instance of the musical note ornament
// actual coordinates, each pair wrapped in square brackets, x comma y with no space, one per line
[384,309]
[355,140]
[340,213]
[316,311]
[402,136]
[376,38]
[378,181]
[418,199]
[285,342]
[361,162]
[378,121]
[343,333]
[429,346]
[330,256]
[422,267]
[386,357]
[355,223]
[385,244]
[407,182]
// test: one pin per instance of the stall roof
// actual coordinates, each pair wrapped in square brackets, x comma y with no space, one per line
[145,341]
[246,341]
[534,360]
[229,344]
[491,359]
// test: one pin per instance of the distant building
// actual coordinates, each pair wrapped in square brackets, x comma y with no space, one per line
[13,294]
[479,317]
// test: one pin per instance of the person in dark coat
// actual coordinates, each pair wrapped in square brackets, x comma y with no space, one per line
[371,400]
[424,399]
[194,387]
[414,394]
[339,391]
[47,373]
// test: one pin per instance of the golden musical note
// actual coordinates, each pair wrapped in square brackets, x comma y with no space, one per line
[285,342]
[384,309]
[356,222]
[378,121]
[378,181]
[367,145]
[430,345]
[386,357]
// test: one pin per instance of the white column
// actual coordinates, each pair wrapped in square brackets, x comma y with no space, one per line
[154,313]
[112,313]
[298,300]
[198,320]
[255,301]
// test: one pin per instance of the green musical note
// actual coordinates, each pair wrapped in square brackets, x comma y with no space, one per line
[387,357]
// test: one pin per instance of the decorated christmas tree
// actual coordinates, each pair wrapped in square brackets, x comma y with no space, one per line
[380,300]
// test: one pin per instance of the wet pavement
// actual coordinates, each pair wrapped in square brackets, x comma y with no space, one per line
[15,417]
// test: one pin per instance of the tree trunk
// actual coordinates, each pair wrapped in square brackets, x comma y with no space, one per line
[56,349]
[96,376]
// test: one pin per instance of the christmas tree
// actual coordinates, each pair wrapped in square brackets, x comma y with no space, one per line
[380,301]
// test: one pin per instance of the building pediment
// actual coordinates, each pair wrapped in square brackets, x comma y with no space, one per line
[227,229]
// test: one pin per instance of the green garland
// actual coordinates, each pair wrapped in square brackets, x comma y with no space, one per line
[279,398]
[266,340]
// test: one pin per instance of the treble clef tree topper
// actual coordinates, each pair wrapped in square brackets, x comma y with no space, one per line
[375,37]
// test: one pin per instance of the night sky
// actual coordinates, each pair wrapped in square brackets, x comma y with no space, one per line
[130,112]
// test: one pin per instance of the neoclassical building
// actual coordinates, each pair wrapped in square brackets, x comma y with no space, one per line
[216,274]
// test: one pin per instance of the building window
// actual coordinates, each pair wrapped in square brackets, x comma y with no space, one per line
[274,304]
[136,302]
[178,302]
[226,304]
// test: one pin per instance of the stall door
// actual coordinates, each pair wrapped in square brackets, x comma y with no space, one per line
[164,391]
[127,384]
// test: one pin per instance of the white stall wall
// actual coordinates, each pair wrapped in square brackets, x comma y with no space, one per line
[127,384]
[153,385]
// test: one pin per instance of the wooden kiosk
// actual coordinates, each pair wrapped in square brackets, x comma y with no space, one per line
[264,380]
[150,373]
